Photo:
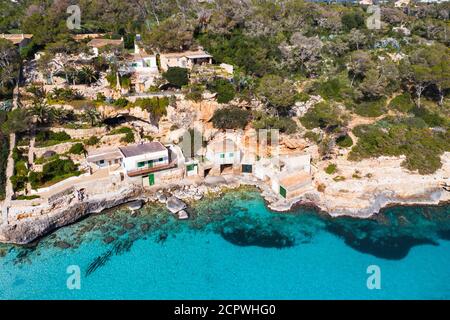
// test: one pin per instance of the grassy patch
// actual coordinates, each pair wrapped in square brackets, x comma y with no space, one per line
[402,103]
[372,109]
[402,136]
[331,169]
[50,138]
[344,141]
[22,197]
[129,135]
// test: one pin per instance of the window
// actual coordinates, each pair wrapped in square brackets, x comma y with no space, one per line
[222,156]
[141,164]
[283,192]
[101,162]
[190,167]
[231,155]
[161,159]
[247,168]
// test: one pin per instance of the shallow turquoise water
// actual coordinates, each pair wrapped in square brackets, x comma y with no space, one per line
[234,248]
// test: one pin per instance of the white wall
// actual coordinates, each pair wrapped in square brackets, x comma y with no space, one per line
[131,162]
[229,159]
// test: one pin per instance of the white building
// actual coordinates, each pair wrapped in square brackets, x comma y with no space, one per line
[105,157]
[401,3]
[288,175]
[19,40]
[143,158]
[186,59]
[223,152]
[97,44]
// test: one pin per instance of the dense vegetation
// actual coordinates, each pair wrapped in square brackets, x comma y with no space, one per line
[283,52]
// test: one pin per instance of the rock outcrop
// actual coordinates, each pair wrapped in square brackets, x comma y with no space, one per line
[68,211]
[175,205]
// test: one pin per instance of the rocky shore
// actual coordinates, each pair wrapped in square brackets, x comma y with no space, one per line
[361,203]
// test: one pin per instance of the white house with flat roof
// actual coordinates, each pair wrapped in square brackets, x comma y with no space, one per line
[186,59]
[224,156]
[139,158]
[105,157]
[288,175]
[19,40]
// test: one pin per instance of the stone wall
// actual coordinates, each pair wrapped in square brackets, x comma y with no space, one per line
[82,133]
[58,148]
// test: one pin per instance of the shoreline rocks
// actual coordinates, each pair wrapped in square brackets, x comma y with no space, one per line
[175,205]
[71,209]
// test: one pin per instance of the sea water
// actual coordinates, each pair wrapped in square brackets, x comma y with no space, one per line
[233,247]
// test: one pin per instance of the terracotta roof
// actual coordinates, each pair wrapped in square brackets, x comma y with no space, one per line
[99,43]
[139,149]
[16,38]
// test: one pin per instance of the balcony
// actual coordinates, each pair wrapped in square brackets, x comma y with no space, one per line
[144,171]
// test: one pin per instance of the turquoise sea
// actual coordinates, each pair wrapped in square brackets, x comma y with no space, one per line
[233,247]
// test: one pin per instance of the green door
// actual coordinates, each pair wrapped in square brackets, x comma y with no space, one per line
[151,179]
[282,192]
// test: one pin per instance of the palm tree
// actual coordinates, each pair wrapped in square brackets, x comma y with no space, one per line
[92,115]
[43,113]
[89,75]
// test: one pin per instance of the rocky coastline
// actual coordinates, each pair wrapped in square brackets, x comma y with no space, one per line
[178,199]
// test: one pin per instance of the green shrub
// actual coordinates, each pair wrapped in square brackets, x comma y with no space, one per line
[49,138]
[331,168]
[433,119]
[374,108]
[402,103]
[100,97]
[156,106]
[312,136]
[129,135]
[64,95]
[394,137]
[121,102]
[4,150]
[224,89]
[53,172]
[284,124]
[22,197]
[344,141]
[177,76]
[120,131]
[302,97]
[195,92]
[92,141]
[322,115]
[129,138]
[230,118]
[352,20]
[77,148]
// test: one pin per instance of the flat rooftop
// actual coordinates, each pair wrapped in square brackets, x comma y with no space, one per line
[15,38]
[99,43]
[144,148]
[104,154]
[188,54]
[292,181]
[226,145]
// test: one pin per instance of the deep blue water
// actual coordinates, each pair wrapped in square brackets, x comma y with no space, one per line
[234,248]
